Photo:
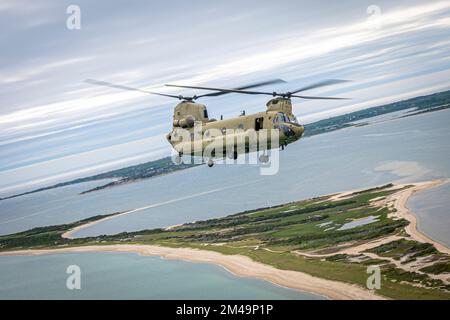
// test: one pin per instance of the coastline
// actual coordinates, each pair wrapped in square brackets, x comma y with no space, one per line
[236,264]
[400,203]
[245,267]
[69,233]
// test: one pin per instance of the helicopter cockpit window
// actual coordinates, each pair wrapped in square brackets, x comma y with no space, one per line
[280,117]
[293,119]
[205,113]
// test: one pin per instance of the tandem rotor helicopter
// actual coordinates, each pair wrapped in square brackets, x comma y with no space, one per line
[188,114]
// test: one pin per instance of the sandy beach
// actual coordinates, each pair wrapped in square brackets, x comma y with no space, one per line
[245,267]
[238,265]
[399,201]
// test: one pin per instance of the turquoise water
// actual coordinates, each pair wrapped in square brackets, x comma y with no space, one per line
[129,276]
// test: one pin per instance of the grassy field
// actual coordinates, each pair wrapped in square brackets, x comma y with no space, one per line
[276,235]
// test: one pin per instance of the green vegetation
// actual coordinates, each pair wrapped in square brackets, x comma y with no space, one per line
[424,104]
[298,226]
[46,237]
[402,248]
[276,235]
[437,268]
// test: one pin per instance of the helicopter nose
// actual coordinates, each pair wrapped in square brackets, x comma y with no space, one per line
[291,131]
[299,130]
[296,130]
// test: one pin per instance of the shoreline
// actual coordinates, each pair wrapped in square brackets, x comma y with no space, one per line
[238,265]
[69,233]
[400,203]
[245,267]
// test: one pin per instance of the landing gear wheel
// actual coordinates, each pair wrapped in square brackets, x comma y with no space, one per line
[210,163]
[178,160]
[264,158]
[233,155]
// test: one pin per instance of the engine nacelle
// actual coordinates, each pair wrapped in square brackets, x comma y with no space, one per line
[187,122]
[280,104]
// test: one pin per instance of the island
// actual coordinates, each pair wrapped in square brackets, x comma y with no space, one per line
[120,176]
[322,245]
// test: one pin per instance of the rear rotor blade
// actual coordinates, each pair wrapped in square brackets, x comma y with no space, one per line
[325,83]
[118,86]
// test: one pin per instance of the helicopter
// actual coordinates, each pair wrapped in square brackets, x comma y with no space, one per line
[213,134]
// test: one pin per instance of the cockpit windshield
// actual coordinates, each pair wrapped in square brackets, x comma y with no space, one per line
[281,117]
[293,119]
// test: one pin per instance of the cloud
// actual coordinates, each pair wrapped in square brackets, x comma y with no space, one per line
[37,70]
[295,49]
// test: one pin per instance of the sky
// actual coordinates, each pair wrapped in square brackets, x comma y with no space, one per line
[55,127]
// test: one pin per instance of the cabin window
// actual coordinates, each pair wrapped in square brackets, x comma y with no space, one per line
[259,123]
[205,113]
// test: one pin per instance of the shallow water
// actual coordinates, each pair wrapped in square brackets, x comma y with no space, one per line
[358,223]
[108,276]
[432,210]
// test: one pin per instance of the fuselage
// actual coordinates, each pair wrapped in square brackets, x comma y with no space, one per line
[194,131]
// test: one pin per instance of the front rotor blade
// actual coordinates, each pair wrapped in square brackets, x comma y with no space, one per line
[319,98]
[260,84]
[319,85]
[222,90]
[250,86]
[119,86]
